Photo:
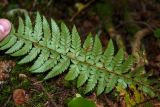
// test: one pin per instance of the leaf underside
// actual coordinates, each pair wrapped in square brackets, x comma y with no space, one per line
[55,50]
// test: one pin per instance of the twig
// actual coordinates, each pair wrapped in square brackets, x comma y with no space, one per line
[50,98]
[115,35]
[138,22]
[78,12]
[5,104]
[38,82]
[137,43]
[48,95]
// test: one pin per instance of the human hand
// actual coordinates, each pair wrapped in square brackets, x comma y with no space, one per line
[5,28]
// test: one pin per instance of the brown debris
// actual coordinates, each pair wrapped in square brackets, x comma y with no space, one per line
[5,68]
[20,97]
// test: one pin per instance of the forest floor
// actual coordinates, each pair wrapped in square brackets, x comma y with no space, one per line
[15,80]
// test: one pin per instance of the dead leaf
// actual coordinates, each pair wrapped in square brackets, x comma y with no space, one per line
[5,68]
[3,76]
[20,97]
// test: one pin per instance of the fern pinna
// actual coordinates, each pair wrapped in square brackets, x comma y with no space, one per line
[55,50]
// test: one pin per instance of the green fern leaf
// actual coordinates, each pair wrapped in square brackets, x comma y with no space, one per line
[5,41]
[148,91]
[54,51]
[46,66]
[55,35]
[37,34]
[118,59]
[24,50]
[21,26]
[82,78]
[97,48]
[88,43]
[59,68]
[111,83]
[19,43]
[76,41]
[73,73]
[108,55]
[92,81]
[28,27]
[65,40]
[15,47]
[31,56]
[127,65]
[46,31]
[101,84]
[41,59]
[11,42]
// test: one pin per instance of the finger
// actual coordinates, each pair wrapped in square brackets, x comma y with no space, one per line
[5,28]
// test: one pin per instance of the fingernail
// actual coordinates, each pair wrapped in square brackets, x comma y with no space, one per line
[5,27]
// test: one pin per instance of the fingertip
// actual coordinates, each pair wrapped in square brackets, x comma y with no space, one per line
[5,28]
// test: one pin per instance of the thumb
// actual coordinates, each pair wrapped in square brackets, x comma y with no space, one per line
[5,28]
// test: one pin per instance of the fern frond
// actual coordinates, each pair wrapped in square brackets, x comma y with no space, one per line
[46,31]
[65,40]
[15,47]
[24,50]
[83,77]
[44,67]
[56,50]
[59,68]
[92,81]
[21,26]
[88,43]
[108,55]
[127,64]
[10,43]
[40,60]
[37,33]
[31,56]
[118,59]
[19,43]
[28,27]
[101,83]
[111,83]
[48,64]
[76,42]
[97,48]
[55,41]
[73,73]
[5,41]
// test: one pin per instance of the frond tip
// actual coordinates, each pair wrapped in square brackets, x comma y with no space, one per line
[55,50]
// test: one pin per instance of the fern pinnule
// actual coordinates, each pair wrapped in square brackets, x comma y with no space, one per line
[73,73]
[108,55]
